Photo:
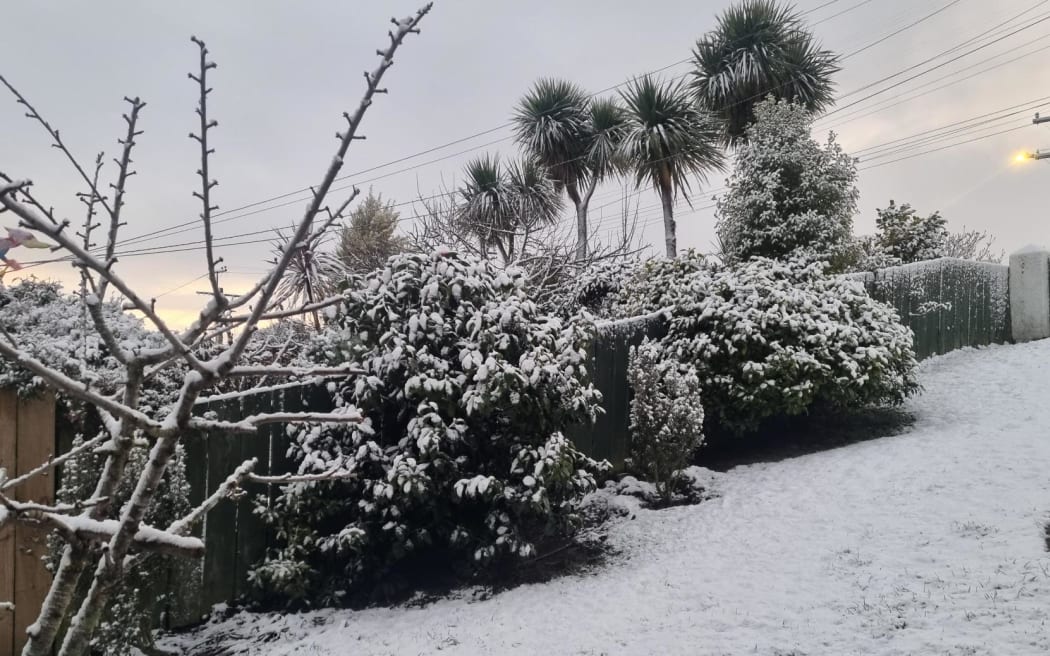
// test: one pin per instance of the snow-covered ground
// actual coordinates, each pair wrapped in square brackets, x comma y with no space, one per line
[929,542]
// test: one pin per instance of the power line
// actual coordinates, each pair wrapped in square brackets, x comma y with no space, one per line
[935,150]
[169,230]
[869,111]
[819,7]
[1025,104]
[899,31]
[844,11]
[921,73]
[174,229]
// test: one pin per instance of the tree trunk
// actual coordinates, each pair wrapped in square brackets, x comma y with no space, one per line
[108,572]
[44,631]
[670,228]
[581,219]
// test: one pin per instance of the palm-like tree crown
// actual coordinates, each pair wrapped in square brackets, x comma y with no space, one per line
[668,138]
[499,203]
[607,127]
[551,122]
[760,48]
[485,207]
[534,198]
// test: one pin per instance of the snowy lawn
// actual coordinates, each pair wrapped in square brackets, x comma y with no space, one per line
[929,542]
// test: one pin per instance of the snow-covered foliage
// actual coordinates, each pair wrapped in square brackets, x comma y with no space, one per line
[788,196]
[667,417]
[656,283]
[867,254]
[772,338]
[462,463]
[594,289]
[128,621]
[54,328]
[908,237]
[768,338]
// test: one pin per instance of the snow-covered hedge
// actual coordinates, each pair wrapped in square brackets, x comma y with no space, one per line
[774,338]
[461,462]
[55,328]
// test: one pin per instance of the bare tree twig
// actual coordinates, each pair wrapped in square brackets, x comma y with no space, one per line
[206,182]
[120,187]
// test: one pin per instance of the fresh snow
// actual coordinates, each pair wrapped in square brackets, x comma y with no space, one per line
[927,542]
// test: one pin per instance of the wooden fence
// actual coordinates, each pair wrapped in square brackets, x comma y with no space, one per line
[27,439]
[947,303]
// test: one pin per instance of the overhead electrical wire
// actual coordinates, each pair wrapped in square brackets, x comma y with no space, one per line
[186,246]
[171,229]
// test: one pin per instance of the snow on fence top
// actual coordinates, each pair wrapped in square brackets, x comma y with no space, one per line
[948,303]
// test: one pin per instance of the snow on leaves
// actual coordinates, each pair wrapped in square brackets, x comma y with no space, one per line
[465,387]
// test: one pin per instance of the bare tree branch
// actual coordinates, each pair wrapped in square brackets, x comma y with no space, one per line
[250,425]
[120,187]
[206,182]
[55,462]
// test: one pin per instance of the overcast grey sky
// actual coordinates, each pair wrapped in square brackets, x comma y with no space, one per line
[288,70]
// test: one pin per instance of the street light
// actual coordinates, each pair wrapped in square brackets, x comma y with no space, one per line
[1021,158]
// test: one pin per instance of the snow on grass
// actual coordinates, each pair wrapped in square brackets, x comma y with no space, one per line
[928,542]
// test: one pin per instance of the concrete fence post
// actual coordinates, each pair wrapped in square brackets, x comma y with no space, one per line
[1030,294]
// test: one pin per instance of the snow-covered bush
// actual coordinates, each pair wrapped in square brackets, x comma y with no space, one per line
[904,237]
[594,289]
[667,417]
[788,196]
[907,237]
[54,327]
[772,338]
[657,283]
[127,624]
[461,463]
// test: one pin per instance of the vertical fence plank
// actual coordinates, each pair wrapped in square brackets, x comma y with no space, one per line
[251,530]
[8,434]
[35,444]
[220,526]
[186,583]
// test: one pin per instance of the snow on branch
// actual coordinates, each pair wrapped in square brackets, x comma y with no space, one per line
[124,412]
[296,372]
[250,425]
[147,538]
[404,27]
[57,142]
[334,474]
[79,390]
[7,606]
[229,488]
[31,219]
[284,314]
[54,462]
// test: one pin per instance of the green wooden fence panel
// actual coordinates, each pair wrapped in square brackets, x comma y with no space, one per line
[948,303]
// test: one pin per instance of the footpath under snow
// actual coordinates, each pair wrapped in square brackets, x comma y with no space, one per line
[928,542]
